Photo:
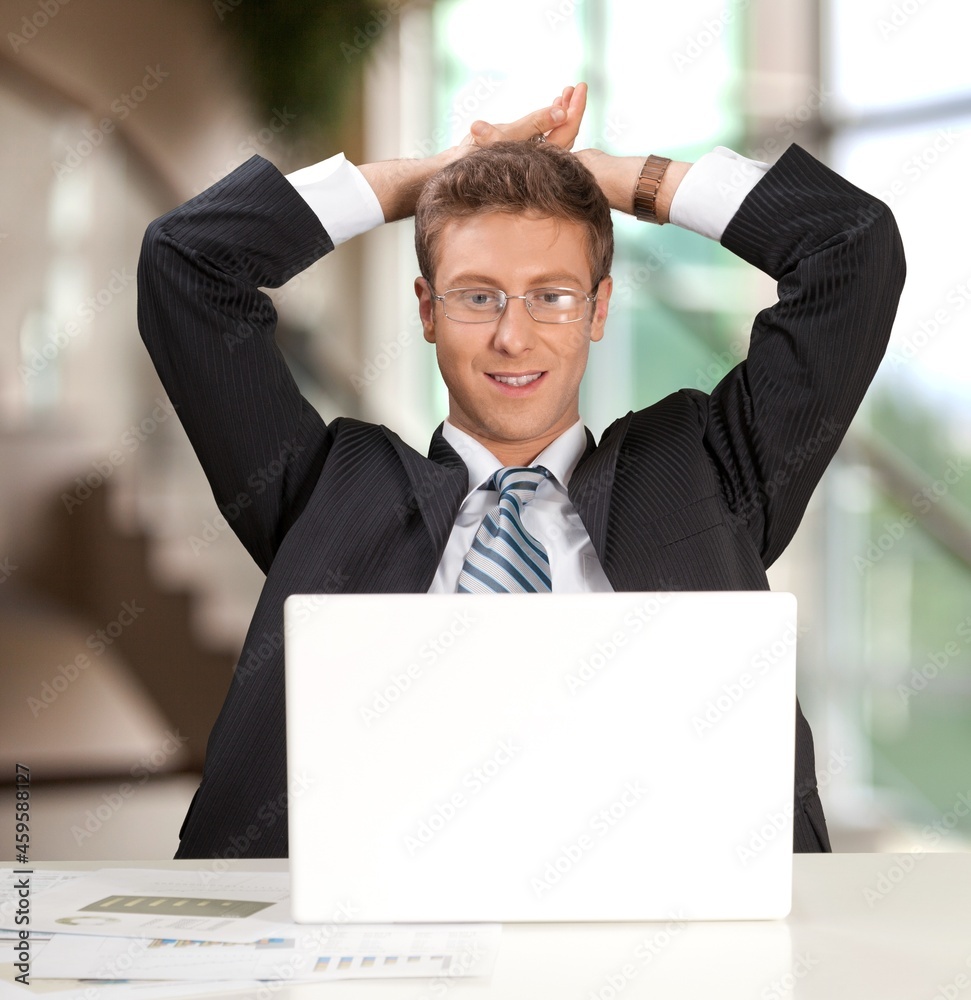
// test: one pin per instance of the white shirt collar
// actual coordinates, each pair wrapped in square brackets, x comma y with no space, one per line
[560,456]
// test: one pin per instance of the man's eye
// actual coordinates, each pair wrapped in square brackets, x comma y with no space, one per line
[481,299]
[556,298]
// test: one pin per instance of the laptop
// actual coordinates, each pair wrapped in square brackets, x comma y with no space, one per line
[541,757]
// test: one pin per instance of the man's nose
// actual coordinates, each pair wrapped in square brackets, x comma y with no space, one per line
[516,329]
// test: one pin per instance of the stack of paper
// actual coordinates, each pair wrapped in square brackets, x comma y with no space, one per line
[224,929]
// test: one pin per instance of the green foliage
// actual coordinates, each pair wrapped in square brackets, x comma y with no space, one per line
[305,56]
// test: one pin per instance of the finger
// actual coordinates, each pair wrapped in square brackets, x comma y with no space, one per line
[539,121]
[562,100]
[565,134]
[578,94]
[575,102]
[483,133]
[524,128]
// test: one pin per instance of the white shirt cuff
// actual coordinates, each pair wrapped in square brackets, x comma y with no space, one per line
[712,191]
[339,196]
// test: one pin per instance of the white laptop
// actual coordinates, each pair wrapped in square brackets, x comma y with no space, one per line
[541,757]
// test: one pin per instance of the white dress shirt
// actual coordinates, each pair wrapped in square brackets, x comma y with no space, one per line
[549,516]
[707,198]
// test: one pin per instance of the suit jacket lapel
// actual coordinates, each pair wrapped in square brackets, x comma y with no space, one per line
[439,482]
[592,483]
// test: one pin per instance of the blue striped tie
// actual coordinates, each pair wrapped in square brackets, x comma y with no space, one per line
[505,558]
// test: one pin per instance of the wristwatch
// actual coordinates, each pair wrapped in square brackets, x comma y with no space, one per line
[647,187]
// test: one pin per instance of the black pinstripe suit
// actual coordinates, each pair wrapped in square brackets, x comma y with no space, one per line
[697,492]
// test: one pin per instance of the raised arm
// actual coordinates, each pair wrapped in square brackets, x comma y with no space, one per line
[774,422]
[210,331]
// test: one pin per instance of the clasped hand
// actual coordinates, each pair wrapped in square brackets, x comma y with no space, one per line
[560,123]
[397,183]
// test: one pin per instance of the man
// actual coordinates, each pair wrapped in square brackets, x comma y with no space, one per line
[696,492]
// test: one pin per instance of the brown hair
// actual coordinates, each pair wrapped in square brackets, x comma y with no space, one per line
[520,177]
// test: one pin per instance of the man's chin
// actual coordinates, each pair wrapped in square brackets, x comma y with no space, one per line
[499,434]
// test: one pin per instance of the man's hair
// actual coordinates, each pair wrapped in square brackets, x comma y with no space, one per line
[533,178]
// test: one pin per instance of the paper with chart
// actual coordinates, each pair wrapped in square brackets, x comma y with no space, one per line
[171,903]
[359,951]
[131,924]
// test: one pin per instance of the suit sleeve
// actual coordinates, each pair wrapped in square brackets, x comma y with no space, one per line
[210,332]
[775,421]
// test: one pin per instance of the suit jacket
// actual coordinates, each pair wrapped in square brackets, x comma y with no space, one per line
[696,492]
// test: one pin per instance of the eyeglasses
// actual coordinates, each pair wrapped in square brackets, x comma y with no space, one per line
[485,305]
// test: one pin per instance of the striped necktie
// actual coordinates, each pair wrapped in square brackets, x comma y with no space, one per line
[505,558]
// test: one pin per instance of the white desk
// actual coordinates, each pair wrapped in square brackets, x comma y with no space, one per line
[840,941]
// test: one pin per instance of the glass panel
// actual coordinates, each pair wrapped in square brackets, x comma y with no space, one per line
[921,173]
[915,516]
[887,54]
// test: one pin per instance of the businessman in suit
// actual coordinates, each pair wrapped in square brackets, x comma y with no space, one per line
[696,492]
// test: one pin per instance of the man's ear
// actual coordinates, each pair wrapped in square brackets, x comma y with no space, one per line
[426,308]
[600,308]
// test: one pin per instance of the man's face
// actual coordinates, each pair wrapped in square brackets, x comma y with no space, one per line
[514,253]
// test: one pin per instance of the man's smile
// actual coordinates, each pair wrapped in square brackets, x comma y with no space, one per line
[511,382]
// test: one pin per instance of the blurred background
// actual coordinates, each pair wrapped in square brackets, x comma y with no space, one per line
[124,597]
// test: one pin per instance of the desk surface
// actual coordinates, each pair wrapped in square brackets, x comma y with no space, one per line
[862,926]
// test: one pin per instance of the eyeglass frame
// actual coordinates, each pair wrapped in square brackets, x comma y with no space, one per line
[589,297]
